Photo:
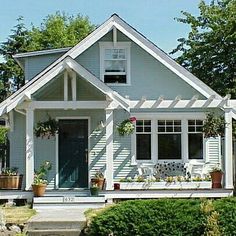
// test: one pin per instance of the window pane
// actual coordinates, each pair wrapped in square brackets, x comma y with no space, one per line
[191,129]
[169,146]
[115,66]
[115,79]
[169,122]
[139,129]
[143,146]
[161,122]
[139,122]
[191,122]
[199,122]
[147,129]
[161,129]
[195,146]
[147,122]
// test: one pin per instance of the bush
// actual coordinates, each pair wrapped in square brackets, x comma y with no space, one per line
[150,217]
[167,217]
[227,215]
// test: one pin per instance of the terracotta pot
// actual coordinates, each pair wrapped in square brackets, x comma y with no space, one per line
[11,182]
[39,189]
[116,186]
[216,178]
[98,182]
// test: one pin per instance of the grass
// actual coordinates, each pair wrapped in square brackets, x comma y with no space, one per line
[17,214]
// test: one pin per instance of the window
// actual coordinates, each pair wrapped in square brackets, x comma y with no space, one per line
[169,139]
[115,63]
[143,139]
[195,139]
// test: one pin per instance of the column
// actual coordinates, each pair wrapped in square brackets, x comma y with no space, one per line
[29,152]
[109,149]
[228,155]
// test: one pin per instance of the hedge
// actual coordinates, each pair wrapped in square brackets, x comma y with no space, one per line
[166,217]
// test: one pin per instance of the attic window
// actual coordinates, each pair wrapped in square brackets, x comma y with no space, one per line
[115,63]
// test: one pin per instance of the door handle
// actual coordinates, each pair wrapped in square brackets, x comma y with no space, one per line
[86,155]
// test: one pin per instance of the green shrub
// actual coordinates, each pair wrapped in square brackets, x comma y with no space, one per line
[3,134]
[227,215]
[150,217]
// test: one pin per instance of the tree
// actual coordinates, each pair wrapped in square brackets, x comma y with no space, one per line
[56,31]
[11,75]
[209,51]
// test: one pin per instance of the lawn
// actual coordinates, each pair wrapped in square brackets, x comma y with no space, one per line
[17,214]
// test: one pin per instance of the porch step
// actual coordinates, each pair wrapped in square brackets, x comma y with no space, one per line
[68,201]
[60,222]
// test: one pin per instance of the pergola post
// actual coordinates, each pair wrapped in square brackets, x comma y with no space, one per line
[109,149]
[29,152]
[228,155]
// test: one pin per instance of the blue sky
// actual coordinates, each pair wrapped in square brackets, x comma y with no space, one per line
[153,18]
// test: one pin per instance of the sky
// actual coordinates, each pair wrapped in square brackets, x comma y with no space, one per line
[153,18]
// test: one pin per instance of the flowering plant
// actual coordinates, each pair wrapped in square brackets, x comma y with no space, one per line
[41,174]
[99,175]
[10,171]
[126,127]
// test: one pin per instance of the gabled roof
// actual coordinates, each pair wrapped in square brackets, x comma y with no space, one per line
[113,22]
[29,89]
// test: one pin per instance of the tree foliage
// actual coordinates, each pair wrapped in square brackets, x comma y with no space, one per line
[56,31]
[209,51]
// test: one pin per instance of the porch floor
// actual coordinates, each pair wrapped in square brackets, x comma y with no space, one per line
[123,194]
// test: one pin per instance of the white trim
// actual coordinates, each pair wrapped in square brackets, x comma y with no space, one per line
[68,104]
[73,86]
[66,85]
[114,36]
[29,148]
[57,145]
[228,151]
[109,149]
[184,117]
[118,45]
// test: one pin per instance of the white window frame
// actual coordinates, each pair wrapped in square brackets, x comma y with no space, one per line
[119,45]
[179,132]
[203,141]
[184,117]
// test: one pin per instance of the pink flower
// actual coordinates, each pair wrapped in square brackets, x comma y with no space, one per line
[132,119]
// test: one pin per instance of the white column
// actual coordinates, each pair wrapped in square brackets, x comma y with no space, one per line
[228,158]
[65,86]
[109,149]
[29,162]
[73,86]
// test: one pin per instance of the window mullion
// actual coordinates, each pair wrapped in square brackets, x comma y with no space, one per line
[154,140]
[185,140]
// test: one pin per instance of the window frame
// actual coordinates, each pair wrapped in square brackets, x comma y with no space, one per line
[119,45]
[170,132]
[195,126]
[184,117]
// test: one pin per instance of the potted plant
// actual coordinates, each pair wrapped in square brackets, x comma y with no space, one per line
[98,179]
[216,177]
[48,128]
[94,189]
[126,127]
[10,179]
[40,182]
[213,125]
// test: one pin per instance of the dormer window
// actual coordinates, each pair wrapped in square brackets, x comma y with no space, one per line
[115,63]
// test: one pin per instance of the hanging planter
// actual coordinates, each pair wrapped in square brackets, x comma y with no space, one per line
[213,125]
[47,128]
[126,127]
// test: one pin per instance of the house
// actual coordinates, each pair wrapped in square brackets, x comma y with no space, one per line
[113,74]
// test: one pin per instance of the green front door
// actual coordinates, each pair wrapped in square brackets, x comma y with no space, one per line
[73,157]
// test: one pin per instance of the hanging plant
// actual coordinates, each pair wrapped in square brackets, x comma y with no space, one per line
[47,128]
[213,125]
[126,127]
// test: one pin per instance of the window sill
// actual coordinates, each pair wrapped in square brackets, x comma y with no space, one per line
[117,84]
